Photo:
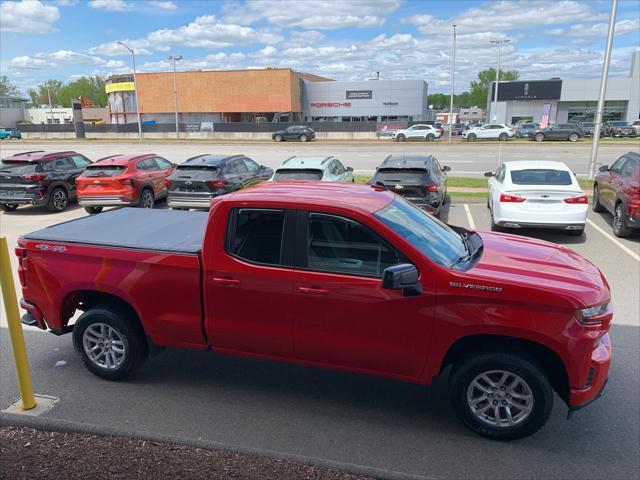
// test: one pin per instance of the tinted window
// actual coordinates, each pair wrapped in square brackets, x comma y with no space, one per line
[618,165]
[80,161]
[343,246]
[540,176]
[256,235]
[64,164]
[250,165]
[235,167]
[629,167]
[500,174]
[146,164]
[298,174]
[162,163]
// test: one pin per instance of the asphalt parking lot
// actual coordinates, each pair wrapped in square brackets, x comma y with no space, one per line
[347,418]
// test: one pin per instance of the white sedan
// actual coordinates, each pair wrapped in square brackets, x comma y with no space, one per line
[489,131]
[530,194]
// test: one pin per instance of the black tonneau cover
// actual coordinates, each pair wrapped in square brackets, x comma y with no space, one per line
[136,228]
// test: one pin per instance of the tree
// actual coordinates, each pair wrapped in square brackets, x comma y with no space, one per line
[480,88]
[7,87]
[41,95]
[91,88]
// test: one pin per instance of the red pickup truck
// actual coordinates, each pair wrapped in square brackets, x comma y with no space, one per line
[348,277]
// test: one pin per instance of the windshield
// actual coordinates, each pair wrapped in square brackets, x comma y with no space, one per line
[619,124]
[298,174]
[540,176]
[587,124]
[426,233]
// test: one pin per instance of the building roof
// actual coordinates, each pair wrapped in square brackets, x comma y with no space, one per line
[366,198]
[15,97]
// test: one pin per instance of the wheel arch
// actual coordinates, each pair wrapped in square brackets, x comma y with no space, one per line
[549,360]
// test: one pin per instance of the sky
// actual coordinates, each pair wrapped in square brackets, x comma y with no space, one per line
[339,39]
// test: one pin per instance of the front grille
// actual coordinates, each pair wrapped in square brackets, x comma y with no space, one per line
[592,372]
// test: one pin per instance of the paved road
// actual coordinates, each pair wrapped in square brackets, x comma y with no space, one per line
[465,159]
[349,418]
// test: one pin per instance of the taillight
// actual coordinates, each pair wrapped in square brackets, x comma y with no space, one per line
[21,253]
[431,187]
[506,198]
[577,200]
[167,182]
[218,183]
[127,181]
[35,177]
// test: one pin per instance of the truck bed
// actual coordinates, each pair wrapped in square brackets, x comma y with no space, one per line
[133,228]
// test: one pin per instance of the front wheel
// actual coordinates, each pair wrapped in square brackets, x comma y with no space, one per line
[596,206]
[278,138]
[620,227]
[573,137]
[503,137]
[504,396]
[430,138]
[93,210]
[8,207]
[539,137]
[303,138]
[472,137]
[400,138]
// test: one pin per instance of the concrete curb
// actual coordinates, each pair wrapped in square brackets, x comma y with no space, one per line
[68,426]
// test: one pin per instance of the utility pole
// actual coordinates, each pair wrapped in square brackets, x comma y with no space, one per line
[174,59]
[453,83]
[603,88]
[499,42]
[50,104]
[135,88]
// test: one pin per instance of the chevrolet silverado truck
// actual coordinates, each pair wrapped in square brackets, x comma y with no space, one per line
[340,276]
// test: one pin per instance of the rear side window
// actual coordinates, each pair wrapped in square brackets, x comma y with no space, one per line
[340,245]
[255,235]
[80,161]
[64,164]
[162,163]
[540,176]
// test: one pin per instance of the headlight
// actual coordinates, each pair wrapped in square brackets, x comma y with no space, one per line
[593,315]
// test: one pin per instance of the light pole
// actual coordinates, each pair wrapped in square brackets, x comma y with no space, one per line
[499,42]
[50,104]
[135,88]
[603,88]
[453,83]
[174,59]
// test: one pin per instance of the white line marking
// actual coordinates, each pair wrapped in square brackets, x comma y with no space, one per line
[472,224]
[624,248]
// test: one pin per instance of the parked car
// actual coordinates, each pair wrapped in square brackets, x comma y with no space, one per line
[376,286]
[417,132]
[418,178]
[9,133]
[536,194]
[301,133]
[40,178]
[619,129]
[562,131]
[636,126]
[200,179]
[494,131]
[617,190]
[522,131]
[124,180]
[456,129]
[440,127]
[327,169]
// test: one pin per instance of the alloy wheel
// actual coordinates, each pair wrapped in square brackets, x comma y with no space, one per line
[147,200]
[500,398]
[59,199]
[104,346]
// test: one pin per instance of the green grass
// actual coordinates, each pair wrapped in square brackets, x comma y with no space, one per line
[466,194]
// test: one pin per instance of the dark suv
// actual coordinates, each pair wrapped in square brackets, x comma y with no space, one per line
[617,189]
[199,179]
[557,131]
[418,178]
[40,178]
[618,129]
[295,132]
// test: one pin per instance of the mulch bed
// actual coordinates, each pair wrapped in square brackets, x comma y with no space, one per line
[35,454]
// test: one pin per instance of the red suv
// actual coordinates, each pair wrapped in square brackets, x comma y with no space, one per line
[119,180]
[617,189]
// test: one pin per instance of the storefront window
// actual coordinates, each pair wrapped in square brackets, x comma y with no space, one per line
[586,111]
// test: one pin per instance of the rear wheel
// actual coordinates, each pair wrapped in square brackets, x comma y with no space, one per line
[576,233]
[596,206]
[8,207]
[620,227]
[430,138]
[573,137]
[93,210]
[400,138]
[503,137]
[303,138]
[278,138]
[58,200]
[504,396]
[472,137]
[109,342]
[146,199]
[539,137]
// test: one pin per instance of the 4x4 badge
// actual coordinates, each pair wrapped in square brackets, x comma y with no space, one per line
[53,248]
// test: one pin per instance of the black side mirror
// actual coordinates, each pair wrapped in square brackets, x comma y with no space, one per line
[604,168]
[402,276]
[489,174]
[446,168]
[349,169]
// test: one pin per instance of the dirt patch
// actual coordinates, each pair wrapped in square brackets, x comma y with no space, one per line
[28,454]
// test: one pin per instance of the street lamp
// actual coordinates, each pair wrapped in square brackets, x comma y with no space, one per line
[499,42]
[174,59]
[135,88]
[453,83]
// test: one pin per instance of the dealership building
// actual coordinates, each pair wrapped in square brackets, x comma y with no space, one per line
[567,101]
[262,95]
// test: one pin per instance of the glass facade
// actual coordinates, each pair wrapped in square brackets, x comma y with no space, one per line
[585,111]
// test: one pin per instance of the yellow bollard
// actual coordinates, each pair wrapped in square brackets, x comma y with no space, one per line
[15,327]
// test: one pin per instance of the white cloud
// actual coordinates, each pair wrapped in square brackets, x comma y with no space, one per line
[589,32]
[65,3]
[114,49]
[165,5]
[28,17]
[305,37]
[312,14]
[60,58]
[111,5]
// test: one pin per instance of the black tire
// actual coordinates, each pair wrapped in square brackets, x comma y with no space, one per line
[576,233]
[134,345]
[400,137]
[58,200]
[277,138]
[8,207]
[93,210]
[146,199]
[503,137]
[514,364]
[573,137]
[472,137]
[539,137]
[620,227]
[430,138]
[596,206]
[303,138]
